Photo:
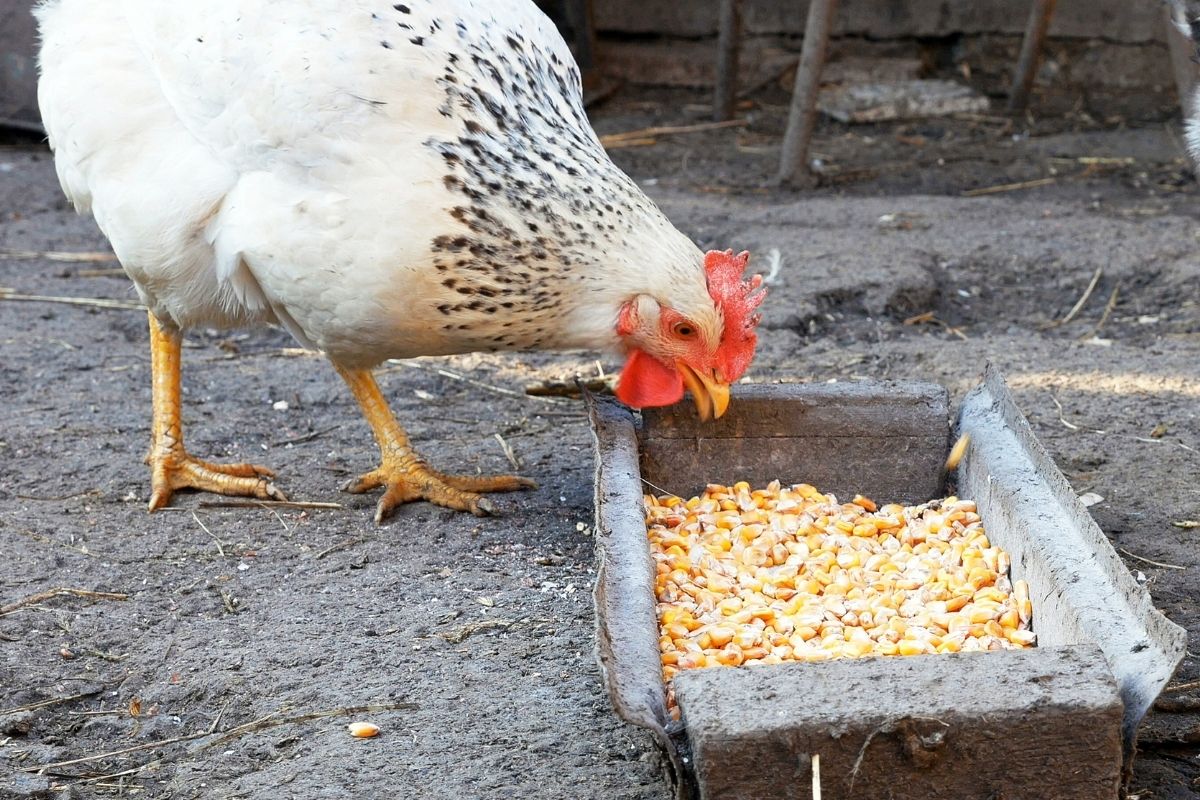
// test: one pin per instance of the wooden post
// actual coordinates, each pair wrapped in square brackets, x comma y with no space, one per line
[1031,54]
[793,162]
[1182,50]
[728,45]
[583,31]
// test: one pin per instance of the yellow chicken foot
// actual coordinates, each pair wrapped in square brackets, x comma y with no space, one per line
[404,475]
[171,467]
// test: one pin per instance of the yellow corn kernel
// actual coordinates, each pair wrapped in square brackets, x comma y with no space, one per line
[991,593]
[957,452]
[720,635]
[676,630]
[980,577]
[857,649]
[754,653]
[949,646]
[866,503]
[978,615]
[753,517]
[1021,637]
[887,648]
[766,614]
[1021,596]
[718,583]
[730,606]
[746,637]
[755,556]
[728,521]
[672,614]
[958,602]
[847,558]
[789,574]
[805,633]
[363,730]
[728,656]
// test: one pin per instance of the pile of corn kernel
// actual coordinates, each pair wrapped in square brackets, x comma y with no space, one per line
[791,574]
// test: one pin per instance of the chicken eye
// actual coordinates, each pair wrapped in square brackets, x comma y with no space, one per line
[685,330]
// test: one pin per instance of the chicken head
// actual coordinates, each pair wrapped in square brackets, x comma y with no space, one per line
[704,352]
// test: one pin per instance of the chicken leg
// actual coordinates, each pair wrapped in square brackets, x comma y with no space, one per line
[171,467]
[404,475]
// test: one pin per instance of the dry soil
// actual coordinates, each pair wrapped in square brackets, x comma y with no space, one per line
[474,637]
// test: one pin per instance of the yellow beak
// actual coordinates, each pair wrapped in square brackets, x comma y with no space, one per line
[711,395]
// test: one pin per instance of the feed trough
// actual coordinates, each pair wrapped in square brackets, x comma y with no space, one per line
[1055,721]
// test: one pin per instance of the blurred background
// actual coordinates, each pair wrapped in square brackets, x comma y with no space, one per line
[1104,62]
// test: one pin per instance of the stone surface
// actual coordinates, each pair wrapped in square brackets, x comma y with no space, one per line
[23,786]
[829,436]
[1079,587]
[967,726]
[901,99]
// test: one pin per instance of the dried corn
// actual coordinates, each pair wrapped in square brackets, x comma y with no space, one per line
[363,730]
[958,451]
[790,574]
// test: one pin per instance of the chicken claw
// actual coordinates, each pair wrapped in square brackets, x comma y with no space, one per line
[171,467]
[403,484]
[404,475]
[175,469]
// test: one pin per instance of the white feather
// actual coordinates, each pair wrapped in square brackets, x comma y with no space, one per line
[268,161]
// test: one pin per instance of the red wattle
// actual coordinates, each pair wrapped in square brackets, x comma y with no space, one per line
[647,382]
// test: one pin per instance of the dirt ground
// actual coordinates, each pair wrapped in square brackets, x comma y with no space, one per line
[473,638]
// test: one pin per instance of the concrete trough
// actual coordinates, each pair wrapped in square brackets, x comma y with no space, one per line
[1056,721]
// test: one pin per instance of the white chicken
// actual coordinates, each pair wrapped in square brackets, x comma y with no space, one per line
[385,181]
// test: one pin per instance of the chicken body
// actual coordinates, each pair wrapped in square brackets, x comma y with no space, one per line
[384,180]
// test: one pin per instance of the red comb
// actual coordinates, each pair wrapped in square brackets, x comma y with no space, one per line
[738,300]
